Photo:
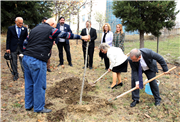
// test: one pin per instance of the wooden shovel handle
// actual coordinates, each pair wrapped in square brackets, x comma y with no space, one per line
[158,76]
[101,76]
[143,84]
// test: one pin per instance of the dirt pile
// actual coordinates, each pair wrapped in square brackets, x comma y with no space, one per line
[56,116]
[92,107]
[68,88]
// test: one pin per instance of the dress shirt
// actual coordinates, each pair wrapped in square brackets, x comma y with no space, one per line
[88,31]
[17,30]
[143,64]
[116,56]
[61,28]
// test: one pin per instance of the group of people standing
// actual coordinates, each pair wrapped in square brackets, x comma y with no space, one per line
[38,51]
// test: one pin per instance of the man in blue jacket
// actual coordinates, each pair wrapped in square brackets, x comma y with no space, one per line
[63,42]
[14,43]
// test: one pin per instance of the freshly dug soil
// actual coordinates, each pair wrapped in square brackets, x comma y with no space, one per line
[91,107]
[70,88]
[56,116]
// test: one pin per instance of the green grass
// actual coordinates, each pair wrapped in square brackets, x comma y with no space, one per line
[17,105]
[170,45]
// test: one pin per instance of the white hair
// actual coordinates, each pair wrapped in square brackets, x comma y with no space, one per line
[50,20]
[135,52]
[104,46]
[18,18]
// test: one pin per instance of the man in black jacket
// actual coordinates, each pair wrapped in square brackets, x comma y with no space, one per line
[93,35]
[14,43]
[36,55]
[63,42]
[144,61]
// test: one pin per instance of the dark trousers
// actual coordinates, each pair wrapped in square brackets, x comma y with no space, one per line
[60,46]
[153,84]
[90,56]
[106,61]
[48,64]
[14,60]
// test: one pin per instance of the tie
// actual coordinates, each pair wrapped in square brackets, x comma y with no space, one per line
[19,32]
[140,76]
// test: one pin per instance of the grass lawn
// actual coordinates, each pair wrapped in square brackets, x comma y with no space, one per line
[170,45]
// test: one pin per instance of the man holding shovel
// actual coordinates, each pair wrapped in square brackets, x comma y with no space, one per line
[144,61]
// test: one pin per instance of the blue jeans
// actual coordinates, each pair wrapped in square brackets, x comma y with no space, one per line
[35,83]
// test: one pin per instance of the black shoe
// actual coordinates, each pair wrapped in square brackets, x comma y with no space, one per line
[29,109]
[90,68]
[59,65]
[134,103]
[157,103]
[112,87]
[45,110]
[49,70]
[71,65]
[120,84]
[15,77]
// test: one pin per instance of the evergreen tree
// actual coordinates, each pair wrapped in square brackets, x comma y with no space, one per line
[31,11]
[145,16]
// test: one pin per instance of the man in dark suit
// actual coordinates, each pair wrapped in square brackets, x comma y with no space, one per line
[14,43]
[63,42]
[93,35]
[144,61]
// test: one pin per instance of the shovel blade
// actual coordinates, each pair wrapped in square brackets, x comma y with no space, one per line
[92,84]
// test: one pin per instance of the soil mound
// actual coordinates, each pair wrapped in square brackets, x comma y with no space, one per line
[91,107]
[68,88]
[56,116]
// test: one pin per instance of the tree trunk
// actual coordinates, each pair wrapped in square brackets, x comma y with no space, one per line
[141,39]
[157,44]
[77,28]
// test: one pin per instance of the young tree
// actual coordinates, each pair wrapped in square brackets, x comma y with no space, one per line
[100,18]
[65,8]
[145,16]
[31,11]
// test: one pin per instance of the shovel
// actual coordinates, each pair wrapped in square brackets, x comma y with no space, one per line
[143,84]
[93,84]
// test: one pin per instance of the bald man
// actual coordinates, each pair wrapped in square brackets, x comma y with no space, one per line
[14,44]
[36,55]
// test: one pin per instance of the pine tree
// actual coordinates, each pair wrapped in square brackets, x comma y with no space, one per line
[31,11]
[146,16]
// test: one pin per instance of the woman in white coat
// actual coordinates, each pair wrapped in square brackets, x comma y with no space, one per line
[107,37]
[118,62]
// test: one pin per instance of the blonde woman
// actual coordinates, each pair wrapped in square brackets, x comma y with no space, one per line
[107,37]
[118,62]
[118,37]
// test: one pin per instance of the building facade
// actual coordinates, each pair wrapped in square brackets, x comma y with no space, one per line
[105,8]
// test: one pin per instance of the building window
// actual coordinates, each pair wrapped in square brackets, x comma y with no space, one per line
[83,18]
